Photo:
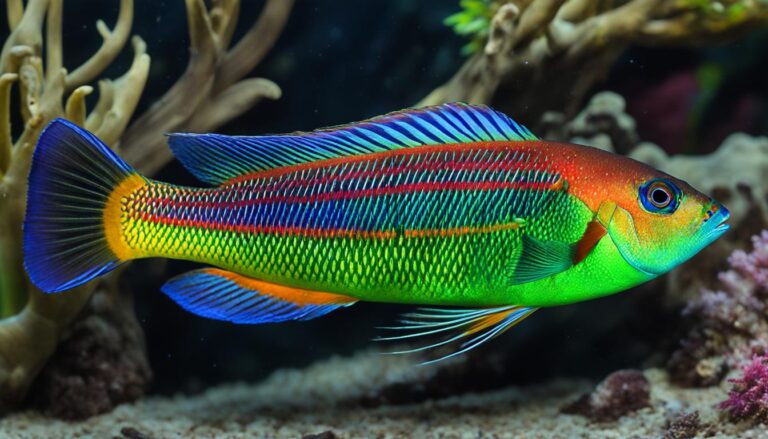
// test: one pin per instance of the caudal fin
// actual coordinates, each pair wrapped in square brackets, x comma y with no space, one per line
[72,177]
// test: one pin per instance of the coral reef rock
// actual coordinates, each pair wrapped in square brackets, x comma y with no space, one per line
[621,393]
[101,362]
[686,426]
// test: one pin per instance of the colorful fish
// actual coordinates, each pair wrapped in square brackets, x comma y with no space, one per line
[455,206]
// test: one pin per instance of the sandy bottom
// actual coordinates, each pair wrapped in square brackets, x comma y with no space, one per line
[335,396]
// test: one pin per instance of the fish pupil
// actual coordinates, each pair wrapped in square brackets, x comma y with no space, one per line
[660,197]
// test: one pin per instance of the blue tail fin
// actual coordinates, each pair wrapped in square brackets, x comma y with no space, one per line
[73,174]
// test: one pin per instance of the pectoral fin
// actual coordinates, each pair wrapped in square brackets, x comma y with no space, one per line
[539,259]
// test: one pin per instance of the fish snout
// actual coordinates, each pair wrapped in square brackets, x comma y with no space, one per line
[715,220]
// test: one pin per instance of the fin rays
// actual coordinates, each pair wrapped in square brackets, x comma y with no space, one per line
[477,326]
[216,159]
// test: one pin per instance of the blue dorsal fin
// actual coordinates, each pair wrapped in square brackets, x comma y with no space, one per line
[215,158]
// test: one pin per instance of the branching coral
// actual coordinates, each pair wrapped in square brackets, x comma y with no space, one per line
[546,54]
[748,399]
[209,94]
[730,324]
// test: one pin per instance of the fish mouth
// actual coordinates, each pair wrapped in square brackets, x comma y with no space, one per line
[718,223]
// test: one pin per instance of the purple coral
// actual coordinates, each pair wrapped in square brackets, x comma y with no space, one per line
[730,324]
[740,303]
[748,399]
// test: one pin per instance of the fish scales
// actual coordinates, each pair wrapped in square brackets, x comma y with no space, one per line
[457,244]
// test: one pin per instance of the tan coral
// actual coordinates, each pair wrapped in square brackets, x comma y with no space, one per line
[547,54]
[206,96]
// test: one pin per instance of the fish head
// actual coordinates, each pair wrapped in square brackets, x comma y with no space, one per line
[657,222]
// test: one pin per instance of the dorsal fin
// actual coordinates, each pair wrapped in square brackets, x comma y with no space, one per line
[215,158]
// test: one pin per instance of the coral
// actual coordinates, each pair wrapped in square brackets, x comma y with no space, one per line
[209,94]
[748,399]
[603,123]
[547,54]
[622,392]
[728,325]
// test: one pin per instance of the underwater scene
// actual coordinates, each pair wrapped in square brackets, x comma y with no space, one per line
[323,219]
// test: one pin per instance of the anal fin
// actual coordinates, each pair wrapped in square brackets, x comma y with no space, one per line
[224,295]
[474,326]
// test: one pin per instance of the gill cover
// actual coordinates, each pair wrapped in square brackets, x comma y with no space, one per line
[651,258]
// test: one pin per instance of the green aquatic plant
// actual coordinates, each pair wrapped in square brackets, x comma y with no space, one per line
[211,92]
[473,22]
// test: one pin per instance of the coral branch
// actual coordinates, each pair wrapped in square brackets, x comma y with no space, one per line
[224,15]
[15,10]
[255,44]
[204,85]
[26,33]
[6,81]
[30,75]
[553,52]
[106,98]
[125,95]
[53,49]
[113,43]
[75,109]
[233,101]
[535,18]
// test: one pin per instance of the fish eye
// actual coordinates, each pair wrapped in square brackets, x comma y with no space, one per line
[659,196]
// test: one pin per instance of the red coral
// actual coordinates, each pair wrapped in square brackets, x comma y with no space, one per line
[748,399]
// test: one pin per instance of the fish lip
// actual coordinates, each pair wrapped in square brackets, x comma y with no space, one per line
[721,227]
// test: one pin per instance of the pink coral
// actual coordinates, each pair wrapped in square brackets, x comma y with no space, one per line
[730,324]
[748,399]
[741,303]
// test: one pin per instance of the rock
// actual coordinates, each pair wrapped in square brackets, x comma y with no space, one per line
[622,392]
[686,426]
[100,362]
